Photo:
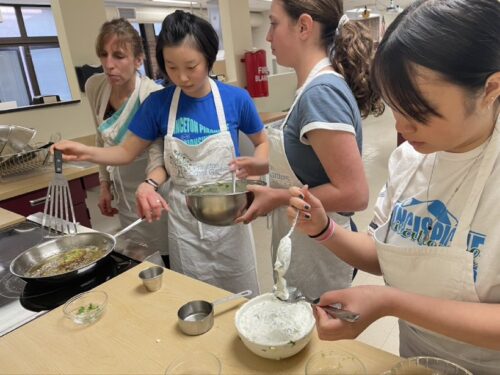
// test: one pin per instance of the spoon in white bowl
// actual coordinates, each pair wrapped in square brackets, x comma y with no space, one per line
[295,295]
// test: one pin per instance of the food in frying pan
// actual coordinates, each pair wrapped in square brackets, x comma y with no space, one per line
[68,261]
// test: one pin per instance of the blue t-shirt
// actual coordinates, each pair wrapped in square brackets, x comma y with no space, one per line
[196,117]
[326,103]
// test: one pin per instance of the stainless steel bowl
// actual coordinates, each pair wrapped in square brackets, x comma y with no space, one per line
[15,139]
[216,204]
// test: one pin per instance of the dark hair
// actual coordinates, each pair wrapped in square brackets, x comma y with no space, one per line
[350,48]
[458,39]
[125,33]
[181,26]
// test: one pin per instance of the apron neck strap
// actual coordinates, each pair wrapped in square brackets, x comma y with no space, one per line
[485,168]
[219,108]
[315,71]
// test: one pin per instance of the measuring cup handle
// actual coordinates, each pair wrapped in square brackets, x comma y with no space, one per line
[232,297]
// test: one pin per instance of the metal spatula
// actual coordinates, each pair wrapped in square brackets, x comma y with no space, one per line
[58,213]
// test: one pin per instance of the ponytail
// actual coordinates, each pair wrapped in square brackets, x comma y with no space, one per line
[351,55]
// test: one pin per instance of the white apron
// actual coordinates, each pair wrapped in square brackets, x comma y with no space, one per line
[221,256]
[313,268]
[125,180]
[440,272]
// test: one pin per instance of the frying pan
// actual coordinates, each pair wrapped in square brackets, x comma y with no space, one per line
[39,254]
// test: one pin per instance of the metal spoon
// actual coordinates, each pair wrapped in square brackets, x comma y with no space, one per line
[295,295]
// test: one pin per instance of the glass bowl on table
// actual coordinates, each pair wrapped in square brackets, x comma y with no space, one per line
[199,362]
[86,308]
[427,366]
[334,362]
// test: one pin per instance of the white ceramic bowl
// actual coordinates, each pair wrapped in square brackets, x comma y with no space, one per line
[282,346]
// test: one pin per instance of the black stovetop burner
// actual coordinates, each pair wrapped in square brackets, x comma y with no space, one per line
[40,296]
[22,301]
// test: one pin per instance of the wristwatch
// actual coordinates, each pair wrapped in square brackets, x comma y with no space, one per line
[153,183]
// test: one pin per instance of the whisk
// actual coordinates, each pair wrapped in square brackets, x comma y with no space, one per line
[58,213]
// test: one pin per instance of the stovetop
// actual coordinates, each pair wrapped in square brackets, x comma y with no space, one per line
[22,301]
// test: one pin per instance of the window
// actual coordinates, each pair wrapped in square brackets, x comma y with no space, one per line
[31,63]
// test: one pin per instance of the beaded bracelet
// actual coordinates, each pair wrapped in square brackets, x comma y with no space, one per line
[328,233]
[324,229]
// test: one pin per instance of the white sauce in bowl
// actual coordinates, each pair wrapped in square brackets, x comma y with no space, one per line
[273,322]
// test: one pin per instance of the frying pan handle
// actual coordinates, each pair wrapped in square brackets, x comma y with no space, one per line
[234,296]
[127,228]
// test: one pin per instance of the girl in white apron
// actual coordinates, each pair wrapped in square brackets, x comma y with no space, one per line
[434,236]
[120,183]
[319,141]
[181,115]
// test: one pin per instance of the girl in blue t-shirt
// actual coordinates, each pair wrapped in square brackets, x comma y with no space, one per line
[198,120]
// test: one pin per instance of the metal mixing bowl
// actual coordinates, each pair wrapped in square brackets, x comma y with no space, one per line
[216,204]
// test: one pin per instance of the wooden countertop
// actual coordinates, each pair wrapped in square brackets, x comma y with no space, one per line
[8,218]
[268,117]
[138,334]
[14,186]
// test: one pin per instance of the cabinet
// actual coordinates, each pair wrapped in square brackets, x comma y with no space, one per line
[34,201]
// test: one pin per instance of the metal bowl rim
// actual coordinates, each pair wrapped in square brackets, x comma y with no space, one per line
[188,191]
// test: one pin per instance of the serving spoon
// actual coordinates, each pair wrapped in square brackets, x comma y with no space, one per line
[295,295]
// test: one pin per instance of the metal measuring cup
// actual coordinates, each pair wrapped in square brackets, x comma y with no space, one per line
[152,278]
[197,317]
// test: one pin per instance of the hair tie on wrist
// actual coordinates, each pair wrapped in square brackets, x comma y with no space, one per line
[328,233]
[324,229]
[152,182]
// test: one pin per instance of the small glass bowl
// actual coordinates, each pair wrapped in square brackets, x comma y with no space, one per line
[197,362]
[86,308]
[428,365]
[334,361]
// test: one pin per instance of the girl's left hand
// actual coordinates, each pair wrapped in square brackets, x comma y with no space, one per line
[263,203]
[367,300]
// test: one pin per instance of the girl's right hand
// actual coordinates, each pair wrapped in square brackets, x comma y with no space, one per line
[312,217]
[72,151]
[150,203]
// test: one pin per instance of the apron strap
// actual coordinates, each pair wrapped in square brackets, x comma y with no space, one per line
[219,108]
[323,63]
[485,168]
[172,114]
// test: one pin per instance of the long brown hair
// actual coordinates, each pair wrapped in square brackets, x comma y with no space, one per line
[125,33]
[349,47]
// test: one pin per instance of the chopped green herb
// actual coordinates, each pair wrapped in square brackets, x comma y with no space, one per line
[85,309]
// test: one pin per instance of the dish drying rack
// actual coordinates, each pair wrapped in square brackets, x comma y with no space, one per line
[24,161]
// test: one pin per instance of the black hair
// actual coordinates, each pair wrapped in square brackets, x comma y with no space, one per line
[457,39]
[182,26]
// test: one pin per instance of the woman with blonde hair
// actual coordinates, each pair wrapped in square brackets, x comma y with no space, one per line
[114,98]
